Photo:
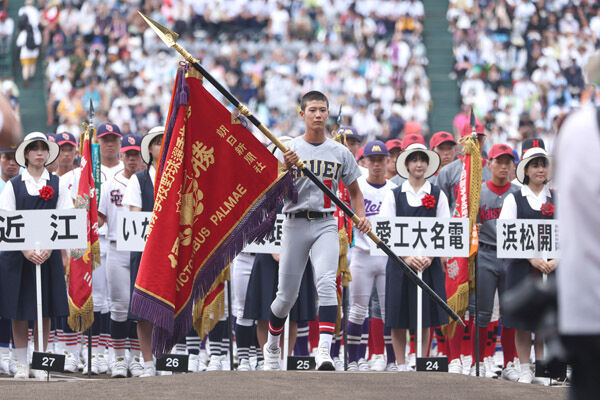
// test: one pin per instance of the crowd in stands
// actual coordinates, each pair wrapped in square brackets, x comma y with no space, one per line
[368,56]
[519,63]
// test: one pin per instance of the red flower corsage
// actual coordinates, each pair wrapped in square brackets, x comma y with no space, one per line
[428,201]
[46,193]
[547,209]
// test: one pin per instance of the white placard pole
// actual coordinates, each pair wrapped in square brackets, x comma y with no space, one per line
[286,343]
[38,289]
[419,337]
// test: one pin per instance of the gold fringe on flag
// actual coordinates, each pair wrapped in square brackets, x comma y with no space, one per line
[81,319]
[459,302]
[206,316]
[344,270]
[472,147]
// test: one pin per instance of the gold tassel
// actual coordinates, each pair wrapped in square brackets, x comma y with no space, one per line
[459,302]
[344,270]
[205,319]
[81,319]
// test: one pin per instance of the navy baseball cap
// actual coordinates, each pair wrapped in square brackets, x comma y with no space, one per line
[131,142]
[531,143]
[65,138]
[349,132]
[108,128]
[375,148]
[51,137]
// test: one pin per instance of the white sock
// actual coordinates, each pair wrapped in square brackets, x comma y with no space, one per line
[325,340]
[273,341]
[525,367]
[21,355]
[148,364]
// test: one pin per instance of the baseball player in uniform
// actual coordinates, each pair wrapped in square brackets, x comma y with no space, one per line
[449,176]
[491,270]
[117,262]
[394,147]
[310,229]
[444,145]
[366,269]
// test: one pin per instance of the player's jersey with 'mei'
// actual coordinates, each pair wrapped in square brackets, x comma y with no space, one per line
[330,161]
[373,196]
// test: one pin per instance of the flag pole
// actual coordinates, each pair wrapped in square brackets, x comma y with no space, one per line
[170,39]
[473,123]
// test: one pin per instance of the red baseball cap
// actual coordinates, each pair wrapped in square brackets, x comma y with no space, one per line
[466,129]
[439,138]
[411,128]
[412,138]
[393,143]
[498,150]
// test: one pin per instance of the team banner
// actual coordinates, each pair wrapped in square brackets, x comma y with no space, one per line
[460,277]
[426,237]
[83,259]
[132,230]
[218,190]
[527,238]
[46,229]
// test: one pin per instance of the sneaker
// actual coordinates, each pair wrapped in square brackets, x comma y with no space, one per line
[101,364]
[378,362]
[272,358]
[467,362]
[260,366]
[193,362]
[323,360]
[135,367]
[244,365]
[526,374]
[40,375]
[225,363]
[338,364]
[13,366]
[391,367]
[70,363]
[363,365]
[202,360]
[511,372]
[412,361]
[402,368]
[119,368]
[353,366]
[253,360]
[148,372]
[455,366]
[214,364]
[95,370]
[5,364]
[22,371]
[491,369]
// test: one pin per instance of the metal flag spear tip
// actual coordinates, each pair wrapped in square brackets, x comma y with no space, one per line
[170,37]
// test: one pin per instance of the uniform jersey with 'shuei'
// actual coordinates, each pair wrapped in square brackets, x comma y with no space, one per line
[490,204]
[330,161]
[373,196]
[449,177]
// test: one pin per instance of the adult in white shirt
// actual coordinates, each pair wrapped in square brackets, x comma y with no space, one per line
[34,189]
[533,201]
[416,197]
[366,269]
[577,149]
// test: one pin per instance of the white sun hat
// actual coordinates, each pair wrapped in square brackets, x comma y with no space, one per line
[530,155]
[432,167]
[147,139]
[53,149]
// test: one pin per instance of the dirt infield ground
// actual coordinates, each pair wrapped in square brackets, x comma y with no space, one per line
[283,385]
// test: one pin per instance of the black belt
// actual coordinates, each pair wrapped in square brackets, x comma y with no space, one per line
[309,215]
[113,242]
[487,246]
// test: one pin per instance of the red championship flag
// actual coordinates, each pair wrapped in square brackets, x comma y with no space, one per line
[218,189]
[459,270]
[83,261]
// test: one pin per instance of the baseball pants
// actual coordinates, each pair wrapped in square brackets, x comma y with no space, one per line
[118,279]
[366,270]
[240,275]
[491,277]
[99,285]
[319,239]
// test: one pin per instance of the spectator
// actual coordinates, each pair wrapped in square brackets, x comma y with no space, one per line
[29,40]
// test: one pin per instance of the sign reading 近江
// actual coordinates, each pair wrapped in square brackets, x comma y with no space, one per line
[132,229]
[50,229]
[427,237]
[527,238]
[271,243]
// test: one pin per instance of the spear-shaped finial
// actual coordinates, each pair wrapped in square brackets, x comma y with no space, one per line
[339,119]
[92,113]
[473,122]
[168,36]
